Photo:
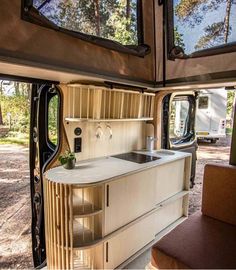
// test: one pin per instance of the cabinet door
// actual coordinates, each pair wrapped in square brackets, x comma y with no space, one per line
[168,214]
[128,198]
[169,180]
[122,246]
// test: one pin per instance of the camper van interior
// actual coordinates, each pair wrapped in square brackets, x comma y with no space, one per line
[125,77]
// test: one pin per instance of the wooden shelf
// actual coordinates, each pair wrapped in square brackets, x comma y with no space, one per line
[85,210]
[83,237]
[69,119]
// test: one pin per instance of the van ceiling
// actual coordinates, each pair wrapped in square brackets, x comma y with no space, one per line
[37,71]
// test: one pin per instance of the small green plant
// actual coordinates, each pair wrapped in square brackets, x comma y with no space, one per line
[67,160]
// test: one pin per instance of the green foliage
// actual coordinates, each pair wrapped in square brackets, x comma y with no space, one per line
[230,102]
[15,110]
[53,120]
[63,159]
[179,38]
[19,139]
[213,35]
[229,131]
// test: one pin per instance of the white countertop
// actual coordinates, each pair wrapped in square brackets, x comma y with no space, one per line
[105,169]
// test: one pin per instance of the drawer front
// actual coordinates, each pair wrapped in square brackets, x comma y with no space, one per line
[168,214]
[128,198]
[169,180]
[122,246]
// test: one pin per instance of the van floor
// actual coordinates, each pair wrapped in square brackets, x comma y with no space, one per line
[15,212]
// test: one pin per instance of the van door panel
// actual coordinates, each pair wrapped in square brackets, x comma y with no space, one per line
[178,121]
[42,151]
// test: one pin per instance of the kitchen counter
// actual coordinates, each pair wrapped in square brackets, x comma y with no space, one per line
[106,169]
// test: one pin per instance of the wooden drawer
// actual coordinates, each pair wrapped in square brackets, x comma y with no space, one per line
[122,246]
[169,213]
[128,198]
[169,180]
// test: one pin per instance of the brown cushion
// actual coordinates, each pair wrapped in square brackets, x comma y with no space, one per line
[199,242]
[219,192]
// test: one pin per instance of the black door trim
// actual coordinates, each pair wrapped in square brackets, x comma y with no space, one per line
[41,154]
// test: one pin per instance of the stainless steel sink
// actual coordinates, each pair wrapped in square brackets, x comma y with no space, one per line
[164,153]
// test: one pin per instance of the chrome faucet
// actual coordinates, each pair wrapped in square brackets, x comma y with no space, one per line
[150,143]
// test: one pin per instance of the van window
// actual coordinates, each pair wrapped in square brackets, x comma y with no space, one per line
[116,20]
[203,102]
[179,119]
[202,25]
[53,117]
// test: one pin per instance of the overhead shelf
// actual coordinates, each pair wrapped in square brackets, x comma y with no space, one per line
[93,104]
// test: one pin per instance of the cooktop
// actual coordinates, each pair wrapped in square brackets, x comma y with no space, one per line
[135,157]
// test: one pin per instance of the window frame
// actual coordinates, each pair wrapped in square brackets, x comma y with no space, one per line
[187,138]
[205,107]
[175,52]
[31,14]
[49,95]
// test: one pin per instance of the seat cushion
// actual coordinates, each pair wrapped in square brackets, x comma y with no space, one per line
[218,194]
[199,242]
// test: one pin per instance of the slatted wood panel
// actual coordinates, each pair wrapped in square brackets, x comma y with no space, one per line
[73,221]
[58,225]
[90,102]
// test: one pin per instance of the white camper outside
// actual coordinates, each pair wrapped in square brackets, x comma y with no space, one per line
[211,114]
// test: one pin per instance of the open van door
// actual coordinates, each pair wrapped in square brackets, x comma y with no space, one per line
[45,105]
[179,125]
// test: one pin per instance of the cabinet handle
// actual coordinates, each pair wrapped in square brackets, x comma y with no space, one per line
[108,191]
[107,252]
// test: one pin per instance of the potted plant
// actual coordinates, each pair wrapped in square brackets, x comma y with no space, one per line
[68,160]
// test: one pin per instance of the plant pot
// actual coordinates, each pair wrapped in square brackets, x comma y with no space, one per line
[70,164]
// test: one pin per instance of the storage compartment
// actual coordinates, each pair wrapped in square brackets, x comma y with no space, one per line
[87,215]
[87,230]
[128,198]
[170,212]
[90,258]
[125,244]
[170,180]
[87,201]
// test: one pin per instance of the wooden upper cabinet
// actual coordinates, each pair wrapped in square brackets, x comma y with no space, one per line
[22,42]
[200,44]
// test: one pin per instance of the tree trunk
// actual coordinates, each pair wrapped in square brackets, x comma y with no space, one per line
[97,17]
[226,20]
[128,14]
[1,119]
[1,92]
[17,88]
[233,106]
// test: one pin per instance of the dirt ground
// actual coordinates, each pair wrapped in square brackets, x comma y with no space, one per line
[15,212]
[207,153]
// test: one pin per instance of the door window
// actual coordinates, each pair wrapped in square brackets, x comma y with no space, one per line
[203,102]
[178,119]
[201,25]
[53,124]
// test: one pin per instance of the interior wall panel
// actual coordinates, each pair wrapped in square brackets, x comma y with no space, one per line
[29,42]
